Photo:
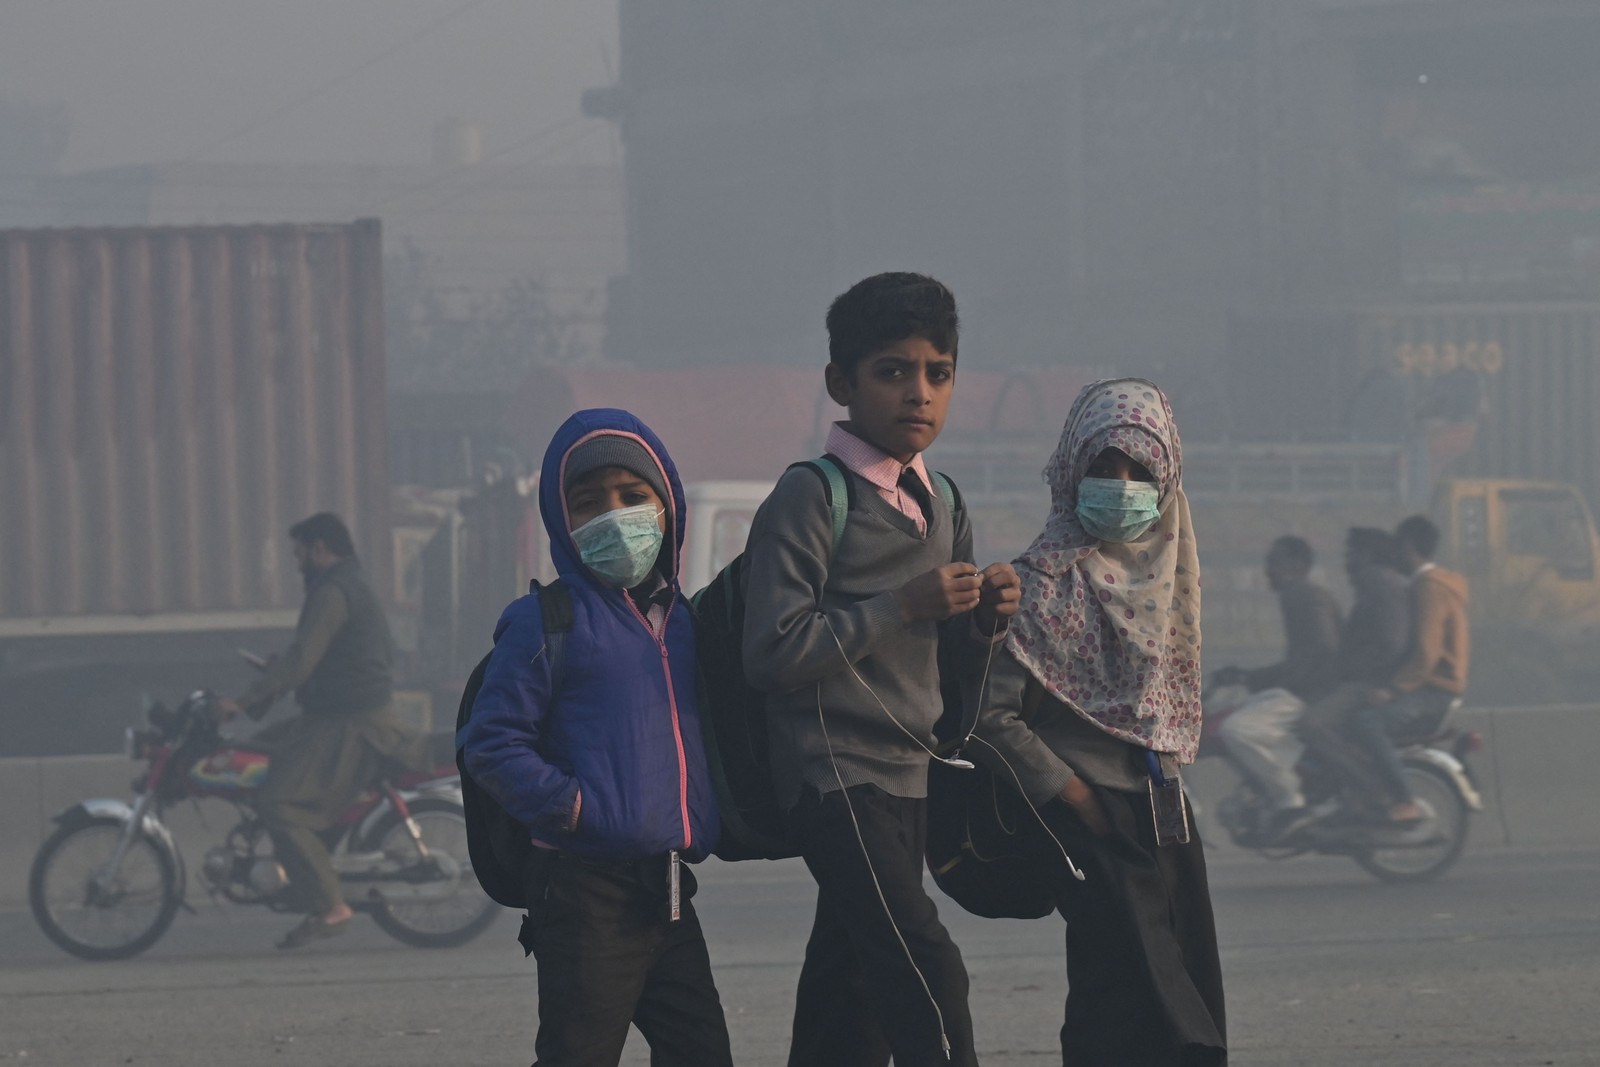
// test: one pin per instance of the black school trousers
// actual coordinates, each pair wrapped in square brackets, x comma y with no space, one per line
[881,975]
[1144,983]
[608,956]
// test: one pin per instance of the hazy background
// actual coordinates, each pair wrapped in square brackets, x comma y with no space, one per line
[347,81]
[1357,243]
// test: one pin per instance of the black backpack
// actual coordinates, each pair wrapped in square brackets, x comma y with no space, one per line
[732,711]
[499,846]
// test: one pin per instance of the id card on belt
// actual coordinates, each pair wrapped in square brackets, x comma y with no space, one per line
[674,887]
[1167,805]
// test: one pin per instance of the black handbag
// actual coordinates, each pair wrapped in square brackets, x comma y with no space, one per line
[978,833]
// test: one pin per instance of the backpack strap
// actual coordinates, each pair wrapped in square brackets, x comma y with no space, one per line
[947,489]
[837,490]
[831,470]
[556,601]
[555,604]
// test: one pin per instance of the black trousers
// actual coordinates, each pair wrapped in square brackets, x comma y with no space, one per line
[1144,983]
[881,975]
[608,957]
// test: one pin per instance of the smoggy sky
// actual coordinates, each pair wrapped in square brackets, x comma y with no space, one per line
[310,80]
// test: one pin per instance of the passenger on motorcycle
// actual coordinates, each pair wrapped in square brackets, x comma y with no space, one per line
[1371,644]
[347,735]
[1417,695]
[1261,734]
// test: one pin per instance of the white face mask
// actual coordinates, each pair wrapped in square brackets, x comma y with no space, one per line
[621,546]
[1112,509]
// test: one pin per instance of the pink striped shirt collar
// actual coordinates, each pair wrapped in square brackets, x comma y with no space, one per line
[881,469]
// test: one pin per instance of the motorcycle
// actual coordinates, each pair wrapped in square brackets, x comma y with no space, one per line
[107,883]
[1435,767]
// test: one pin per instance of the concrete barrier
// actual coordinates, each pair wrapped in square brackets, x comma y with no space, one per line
[1536,772]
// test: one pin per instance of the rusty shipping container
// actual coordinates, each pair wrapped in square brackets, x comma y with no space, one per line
[1521,381]
[171,400]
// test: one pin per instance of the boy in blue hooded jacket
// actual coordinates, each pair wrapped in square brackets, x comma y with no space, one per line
[601,759]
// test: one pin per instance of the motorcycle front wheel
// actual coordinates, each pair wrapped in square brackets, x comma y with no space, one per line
[441,922]
[1428,850]
[97,914]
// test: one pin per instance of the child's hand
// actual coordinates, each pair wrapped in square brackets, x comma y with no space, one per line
[940,593]
[1083,801]
[998,597]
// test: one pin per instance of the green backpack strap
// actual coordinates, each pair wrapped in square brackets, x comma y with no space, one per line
[832,473]
[947,489]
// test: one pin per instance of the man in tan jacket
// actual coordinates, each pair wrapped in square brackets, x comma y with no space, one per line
[1417,698]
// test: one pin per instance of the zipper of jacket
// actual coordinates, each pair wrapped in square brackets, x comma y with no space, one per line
[672,704]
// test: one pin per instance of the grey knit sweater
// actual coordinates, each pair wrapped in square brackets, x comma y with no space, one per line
[822,630]
[1039,753]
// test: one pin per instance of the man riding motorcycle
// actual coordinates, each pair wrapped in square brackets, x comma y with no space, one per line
[347,735]
[1372,642]
[1416,696]
[1260,734]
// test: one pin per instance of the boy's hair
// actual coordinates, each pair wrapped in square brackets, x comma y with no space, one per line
[328,528]
[1419,533]
[1296,550]
[878,311]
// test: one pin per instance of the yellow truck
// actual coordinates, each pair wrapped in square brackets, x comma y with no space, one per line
[1528,550]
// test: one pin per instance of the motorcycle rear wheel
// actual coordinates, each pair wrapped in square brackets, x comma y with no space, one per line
[96,922]
[442,923]
[1441,838]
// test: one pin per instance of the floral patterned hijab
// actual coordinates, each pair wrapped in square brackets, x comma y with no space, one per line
[1113,630]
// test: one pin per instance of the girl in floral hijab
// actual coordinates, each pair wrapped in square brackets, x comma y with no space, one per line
[1089,711]
[1111,625]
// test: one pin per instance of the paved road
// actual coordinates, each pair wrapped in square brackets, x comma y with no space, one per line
[1499,964]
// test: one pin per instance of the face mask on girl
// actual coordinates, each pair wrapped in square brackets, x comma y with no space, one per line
[1115,510]
[621,546]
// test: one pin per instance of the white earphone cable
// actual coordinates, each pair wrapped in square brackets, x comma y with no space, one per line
[983,684]
[944,1038]
[1073,867]
[879,700]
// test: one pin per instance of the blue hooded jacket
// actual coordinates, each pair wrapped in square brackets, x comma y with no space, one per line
[625,725]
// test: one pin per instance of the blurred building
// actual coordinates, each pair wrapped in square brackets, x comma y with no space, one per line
[1106,182]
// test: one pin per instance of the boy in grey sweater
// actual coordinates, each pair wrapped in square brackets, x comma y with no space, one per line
[848,644]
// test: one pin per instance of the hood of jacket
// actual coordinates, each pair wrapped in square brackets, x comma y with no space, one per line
[581,427]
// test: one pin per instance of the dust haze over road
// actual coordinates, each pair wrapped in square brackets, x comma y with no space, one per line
[1493,967]
[1357,243]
